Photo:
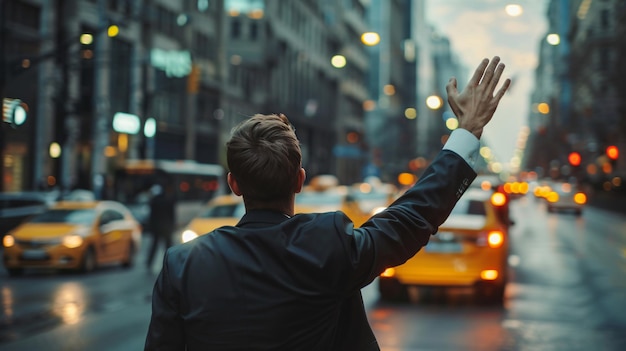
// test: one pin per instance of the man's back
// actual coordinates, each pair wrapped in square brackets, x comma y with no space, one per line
[293,283]
[272,283]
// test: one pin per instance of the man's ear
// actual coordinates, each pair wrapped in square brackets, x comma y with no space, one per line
[301,179]
[232,183]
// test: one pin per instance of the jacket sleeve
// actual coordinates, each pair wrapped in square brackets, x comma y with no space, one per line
[166,330]
[393,236]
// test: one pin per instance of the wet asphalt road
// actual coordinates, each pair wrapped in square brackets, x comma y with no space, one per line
[567,292]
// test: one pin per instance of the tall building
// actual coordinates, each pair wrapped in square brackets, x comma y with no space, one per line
[392,112]
[93,73]
[280,59]
[577,100]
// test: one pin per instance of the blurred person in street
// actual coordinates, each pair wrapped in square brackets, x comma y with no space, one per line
[279,281]
[162,219]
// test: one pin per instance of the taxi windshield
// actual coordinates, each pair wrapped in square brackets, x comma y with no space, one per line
[69,216]
[469,207]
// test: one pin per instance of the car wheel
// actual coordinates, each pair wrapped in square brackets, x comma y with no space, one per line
[392,290]
[89,262]
[128,262]
[15,272]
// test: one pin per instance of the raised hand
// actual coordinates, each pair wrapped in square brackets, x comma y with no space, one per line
[475,105]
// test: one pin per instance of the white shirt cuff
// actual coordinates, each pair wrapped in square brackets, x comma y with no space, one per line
[465,144]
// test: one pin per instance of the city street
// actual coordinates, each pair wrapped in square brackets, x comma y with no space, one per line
[567,292]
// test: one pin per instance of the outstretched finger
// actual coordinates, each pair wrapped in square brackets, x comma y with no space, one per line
[489,73]
[503,89]
[496,78]
[453,93]
[451,87]
[478,73]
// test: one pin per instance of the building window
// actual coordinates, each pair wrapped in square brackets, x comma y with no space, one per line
[235,28]
[22,13]
[254,31]
[204,46]
[603,59]
[604,19]
[120,77]
[166,21]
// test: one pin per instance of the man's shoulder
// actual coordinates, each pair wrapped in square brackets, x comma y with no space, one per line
[319,218]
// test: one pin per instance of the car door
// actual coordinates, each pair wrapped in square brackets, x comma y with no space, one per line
[113,235]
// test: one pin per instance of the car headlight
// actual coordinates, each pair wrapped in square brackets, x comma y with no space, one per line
[8,240]
[72,241]
[188,235]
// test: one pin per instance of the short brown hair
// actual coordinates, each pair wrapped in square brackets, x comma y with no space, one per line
[264,157]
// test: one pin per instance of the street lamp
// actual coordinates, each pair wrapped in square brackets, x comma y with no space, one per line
[553,39]
[370,38]
[149,132]
[543,108]
[514,10]
[434,102]
[338,61]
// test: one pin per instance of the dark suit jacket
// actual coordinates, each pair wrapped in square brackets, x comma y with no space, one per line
[279,283]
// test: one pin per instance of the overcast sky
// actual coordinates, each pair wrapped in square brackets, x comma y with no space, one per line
[482,28]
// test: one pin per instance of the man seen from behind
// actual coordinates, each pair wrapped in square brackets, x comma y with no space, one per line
[284,281]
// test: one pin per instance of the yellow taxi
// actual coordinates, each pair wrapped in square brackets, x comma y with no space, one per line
[470,249]
[324,194]
[220,211]
[371,197]
[79,235]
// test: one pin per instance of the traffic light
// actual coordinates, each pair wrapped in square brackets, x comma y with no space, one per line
[14,112]
[113,31]
[353,137]
[574,159]
[612,152]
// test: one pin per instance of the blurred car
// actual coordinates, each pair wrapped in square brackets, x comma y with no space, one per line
[220,211]
[79,195]
[469,250]
[324,194]
[79,235]
[371,197]
[500,198]
[564,196]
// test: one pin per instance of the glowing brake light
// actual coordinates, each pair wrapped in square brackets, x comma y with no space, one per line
[552,196]
[495,239]
[498,199]
[489,274]
[8,241]
[580,198]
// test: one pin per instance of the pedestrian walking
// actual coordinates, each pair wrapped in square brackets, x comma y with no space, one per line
[162,220]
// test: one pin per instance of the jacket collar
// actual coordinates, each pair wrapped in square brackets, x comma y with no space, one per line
[260,217]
